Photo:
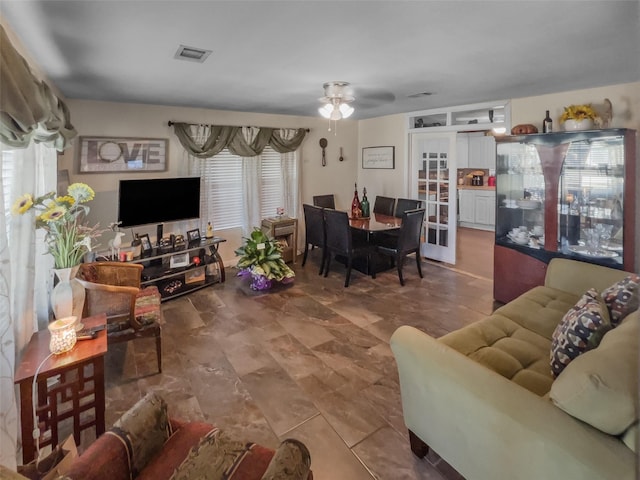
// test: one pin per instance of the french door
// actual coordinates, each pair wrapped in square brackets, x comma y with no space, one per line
[432,180]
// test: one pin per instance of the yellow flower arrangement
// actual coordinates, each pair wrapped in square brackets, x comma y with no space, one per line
[578,113]
[68,239]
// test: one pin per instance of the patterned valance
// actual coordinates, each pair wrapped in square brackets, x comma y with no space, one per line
[241,141]
[28,108]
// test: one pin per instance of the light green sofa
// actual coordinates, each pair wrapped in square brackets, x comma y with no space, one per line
[484,399]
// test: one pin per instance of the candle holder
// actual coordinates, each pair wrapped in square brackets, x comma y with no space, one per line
[63,335]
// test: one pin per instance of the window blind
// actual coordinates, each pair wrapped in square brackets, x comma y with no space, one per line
[223,186]
[221,190]
[591,168]
[272,178]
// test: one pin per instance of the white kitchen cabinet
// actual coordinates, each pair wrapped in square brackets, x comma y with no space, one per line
[489,152]
[462,151]
[477,209]
[485,211]
[466,199]
[481,152]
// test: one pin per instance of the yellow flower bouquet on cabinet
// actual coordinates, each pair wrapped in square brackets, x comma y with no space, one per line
[67,237]
[578,112]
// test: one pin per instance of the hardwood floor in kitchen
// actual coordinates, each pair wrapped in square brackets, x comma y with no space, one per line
[310,361]
[474,252]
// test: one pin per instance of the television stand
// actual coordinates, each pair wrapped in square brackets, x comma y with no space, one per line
[177,273]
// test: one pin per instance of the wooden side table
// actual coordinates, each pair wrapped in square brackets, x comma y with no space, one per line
[285,231]
[79,389]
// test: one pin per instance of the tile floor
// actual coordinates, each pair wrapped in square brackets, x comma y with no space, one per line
[310,361]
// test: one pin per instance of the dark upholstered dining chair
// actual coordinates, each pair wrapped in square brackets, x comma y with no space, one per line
[315,232]
[340,241]
[324,201]
[407,241]
[384,205]
[404,204]
[114,288]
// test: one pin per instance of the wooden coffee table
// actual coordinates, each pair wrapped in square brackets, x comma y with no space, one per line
[80,387]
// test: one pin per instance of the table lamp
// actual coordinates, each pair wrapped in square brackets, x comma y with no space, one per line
[63,335]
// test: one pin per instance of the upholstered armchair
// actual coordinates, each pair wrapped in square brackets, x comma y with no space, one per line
[132,313]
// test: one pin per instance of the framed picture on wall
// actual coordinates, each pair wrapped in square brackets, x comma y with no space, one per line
[378,157]
[122,154]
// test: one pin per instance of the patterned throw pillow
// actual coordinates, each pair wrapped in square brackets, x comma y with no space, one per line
[579,327]
[622,298]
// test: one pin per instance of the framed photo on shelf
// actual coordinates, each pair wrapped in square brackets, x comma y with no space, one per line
[179,260]
[145,243]
[122,154]
[378,157]
[193,235]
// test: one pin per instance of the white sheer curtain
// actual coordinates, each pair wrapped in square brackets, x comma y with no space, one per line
[251,167]
[24,277]
[291,163]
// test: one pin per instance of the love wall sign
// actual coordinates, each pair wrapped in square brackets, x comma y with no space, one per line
[110,155]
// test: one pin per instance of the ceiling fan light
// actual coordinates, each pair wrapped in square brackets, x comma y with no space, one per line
[326,110]
[346,110]
[335,114]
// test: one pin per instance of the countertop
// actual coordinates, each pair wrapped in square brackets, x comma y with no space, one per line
[473,187]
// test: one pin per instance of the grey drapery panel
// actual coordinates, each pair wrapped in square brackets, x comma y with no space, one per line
[231,137]
[28,108]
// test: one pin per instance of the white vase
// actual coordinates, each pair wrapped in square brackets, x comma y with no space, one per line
[67,297]
[572,125]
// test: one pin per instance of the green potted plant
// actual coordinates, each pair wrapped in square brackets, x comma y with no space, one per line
[261,261]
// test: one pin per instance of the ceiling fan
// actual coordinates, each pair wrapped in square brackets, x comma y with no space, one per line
[337,97]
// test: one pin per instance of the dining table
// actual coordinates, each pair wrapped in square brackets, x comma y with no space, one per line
[369,229]
[375,223]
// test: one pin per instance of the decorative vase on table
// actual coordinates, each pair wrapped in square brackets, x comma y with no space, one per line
[573,125]
[67,297]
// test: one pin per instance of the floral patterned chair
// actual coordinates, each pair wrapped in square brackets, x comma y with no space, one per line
[132,313]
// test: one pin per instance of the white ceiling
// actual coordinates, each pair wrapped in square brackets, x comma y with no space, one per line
[273,56]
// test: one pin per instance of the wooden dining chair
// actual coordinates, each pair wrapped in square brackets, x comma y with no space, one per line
[341,241]
[384,205]
[406,242]
[114,288]
[404,204]
[324,201]
[315,232]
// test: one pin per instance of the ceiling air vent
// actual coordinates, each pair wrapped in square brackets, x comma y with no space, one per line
[192,54]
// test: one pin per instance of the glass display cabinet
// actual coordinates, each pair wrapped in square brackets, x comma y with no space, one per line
[566,194]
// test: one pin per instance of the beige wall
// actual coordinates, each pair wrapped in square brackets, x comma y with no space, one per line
[379,132]
[150,121]
[625,99]
[391,130]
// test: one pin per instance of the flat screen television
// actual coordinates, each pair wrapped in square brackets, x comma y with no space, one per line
[158,200]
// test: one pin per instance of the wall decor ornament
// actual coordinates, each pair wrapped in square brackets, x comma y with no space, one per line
[122,154]
[378,157]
